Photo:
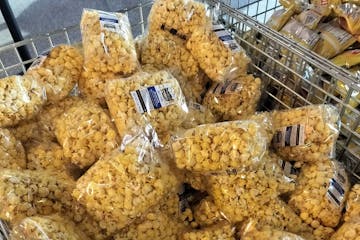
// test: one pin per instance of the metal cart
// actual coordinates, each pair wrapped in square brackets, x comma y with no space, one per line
[292,75]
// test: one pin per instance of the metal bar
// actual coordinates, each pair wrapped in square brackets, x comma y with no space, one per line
[14,28]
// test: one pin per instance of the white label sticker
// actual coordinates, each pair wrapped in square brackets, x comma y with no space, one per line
[341,36]
[109,22]
[38,62]
[290,136]
[336,191]
[226,37]
[226,87]
[301,32]
[154,97]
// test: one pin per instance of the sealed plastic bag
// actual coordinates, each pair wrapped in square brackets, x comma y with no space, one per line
[299,5]
[353,204]
[198,115]
[206,213]
[237,144]
[280,17]
[125,184]
[232,100]
[310,17]
[223,231]
[347,59]
[46,228]
[12,153]
[218,53]
[146,98]
[349,17]
[333,41]
[21,98]
[108,43]
[348,231]
[320,193]
[306,134]
[58,72]
[85,132]
[25,193]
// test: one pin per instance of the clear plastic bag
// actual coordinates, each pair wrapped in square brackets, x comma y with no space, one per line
[280,17]
[349,17]
[198,115]
[25,193]
[234,99]
[217,53]
[206,213]
[125,184]
[306,134]
[310,17]
[53,227]
[237,144]
[353,204]
[108,43]
[348,231]
[196,180]
[223,231]
[265,119]
[348,58]
[58,72]
[85,132]
[21,98]
[146,98]
[320,193]
[12,153]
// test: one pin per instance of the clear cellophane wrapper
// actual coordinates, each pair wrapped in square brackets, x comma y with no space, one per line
[12,153]
[353,203]
[206,213]
[198,115]
[222,230]
[349,230]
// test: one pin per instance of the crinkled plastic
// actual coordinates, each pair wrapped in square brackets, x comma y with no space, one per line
[223,231]
[108,43]
[52,227]
[21,98]
[232,100]
[25,193]
[349,17]
[353,204]
[85,132]
[179,17]
[146,98]
[299,5]
[311,17]
[58,72]
[347,59]
[218,53]
[12,153]
[306,134]
[320,194]
[196,180]
[125,183]
[334,40]
[237,144]
[206,213]
[264,119]
[348,231]
[280,17]
[198,115]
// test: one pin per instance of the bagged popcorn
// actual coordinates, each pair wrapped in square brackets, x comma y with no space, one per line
[223,231]
[348,231]
[12,153]
[280,17]
[206,213]
[58,72]
[198,115]
[136,180]
[237,144]
[353,204]
[349,17]
[320,193]
[306,134]
[146,98]
[234,99]
[85,132]
[21,98]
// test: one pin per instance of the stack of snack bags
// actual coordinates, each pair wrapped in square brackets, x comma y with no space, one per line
[140,151]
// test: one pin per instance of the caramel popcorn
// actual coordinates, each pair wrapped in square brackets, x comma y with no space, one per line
[238,144]
[12,153]
[108,42]
[348,231]
[52,227]
[306,134]
[26,193]
[320,193]
[146,98]
[196,180]
[21,98]
[136,179]
[58,72]
[85,132]
[223,231]
[353,203]
[26,130]
[234,99]
[270,234]
[198,115]
[206,213]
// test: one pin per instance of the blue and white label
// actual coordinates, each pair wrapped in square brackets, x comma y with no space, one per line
[336,190]
[226,37]
[153,97]
[109,22]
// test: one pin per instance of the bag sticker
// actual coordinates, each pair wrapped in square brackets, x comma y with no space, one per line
[290,136]
[154,97]
[289,168]
[226,87]
[109,22]
[226,37]
[341,36]
[336,190]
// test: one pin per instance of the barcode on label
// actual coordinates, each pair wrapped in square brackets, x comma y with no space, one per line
[301,32]
[154,97]
[196,106]
[290,136]
[336,191]
[109,22]
[311,17]
[226,87]
[226,37]
[342,36]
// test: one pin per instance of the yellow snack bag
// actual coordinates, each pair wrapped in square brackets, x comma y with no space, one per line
[326,5]
[347,59]
[310,18]
[280,18]
[299,5]
[349,17]
[343,89]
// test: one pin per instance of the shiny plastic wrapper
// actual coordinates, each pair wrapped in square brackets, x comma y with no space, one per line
[136,180]
[348,231]
[108,43]
[320,193]
[58,72]
[349,17]
[25,193]
[237,144]
[146,98]
[353,204]
[280,17]
[234,99]
[299,5]
[198,115]
[306,134]
[21,98]
[310,17]
[53,227]
[218,53]
[206,213]
[12,153]
[223,231]
[347,59]
[85,132]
